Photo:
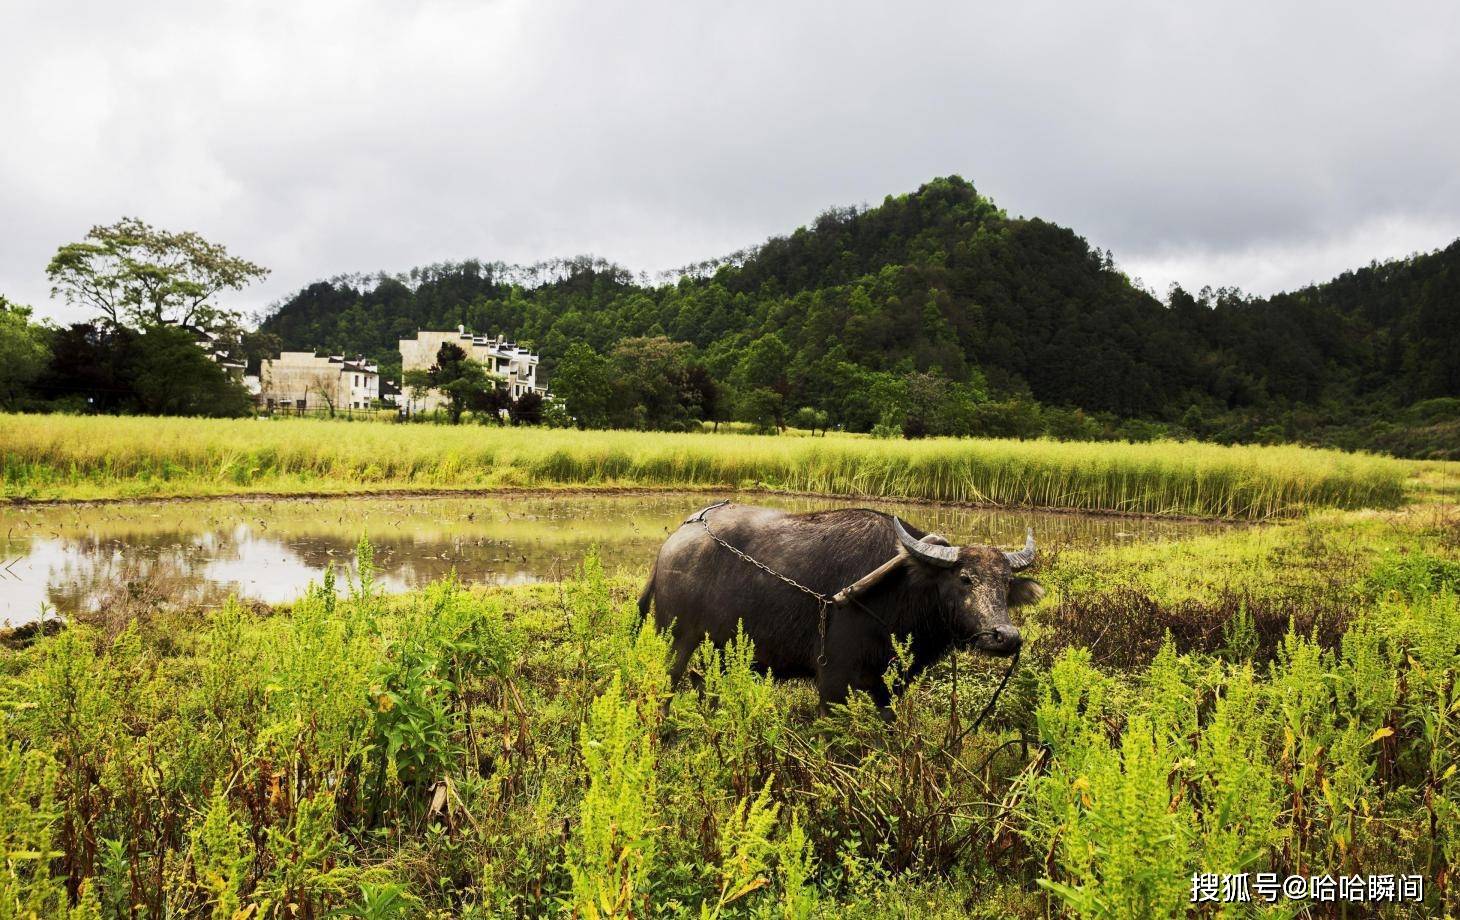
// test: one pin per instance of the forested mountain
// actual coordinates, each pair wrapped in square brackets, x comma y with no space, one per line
[941,292]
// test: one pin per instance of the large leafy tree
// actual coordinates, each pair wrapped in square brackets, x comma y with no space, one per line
[23,352]
[703,396]
[764,364]
[651,380]
[171,375]
[584,381]
[89,370]
[162,371]
[137,275]
[760,376]
[762,407]
[811,419]
[417,383]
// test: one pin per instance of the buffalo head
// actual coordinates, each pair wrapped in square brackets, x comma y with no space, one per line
[976,587]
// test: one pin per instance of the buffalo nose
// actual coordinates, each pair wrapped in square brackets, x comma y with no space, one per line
[1007,638]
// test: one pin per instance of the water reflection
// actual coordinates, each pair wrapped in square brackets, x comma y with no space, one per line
[119,557]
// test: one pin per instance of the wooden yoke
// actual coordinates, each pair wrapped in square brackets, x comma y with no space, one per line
[866,582]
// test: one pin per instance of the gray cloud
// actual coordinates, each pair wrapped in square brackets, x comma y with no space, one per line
[1257,144]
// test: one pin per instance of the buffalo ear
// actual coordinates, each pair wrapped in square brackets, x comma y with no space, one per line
[1024,591]
[936,539]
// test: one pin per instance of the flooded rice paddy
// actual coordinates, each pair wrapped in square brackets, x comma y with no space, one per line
[80,559]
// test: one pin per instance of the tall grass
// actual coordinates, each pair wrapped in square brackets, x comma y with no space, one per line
[81,457]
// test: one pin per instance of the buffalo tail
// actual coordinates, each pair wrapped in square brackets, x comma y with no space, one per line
[646,596]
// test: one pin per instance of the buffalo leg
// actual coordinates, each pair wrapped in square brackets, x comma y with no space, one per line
[682,653]
[684,650]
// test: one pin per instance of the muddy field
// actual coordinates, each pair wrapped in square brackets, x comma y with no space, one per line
[77,558]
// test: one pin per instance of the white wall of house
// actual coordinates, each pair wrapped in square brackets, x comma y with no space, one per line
[363,381]
[305,380]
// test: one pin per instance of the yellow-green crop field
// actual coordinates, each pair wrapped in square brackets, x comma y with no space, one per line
[128,457]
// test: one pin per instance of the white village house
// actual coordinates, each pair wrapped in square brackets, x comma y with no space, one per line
[219,351]
[517,366]
[311,381]
[300,380]
[305,380]
[216,347]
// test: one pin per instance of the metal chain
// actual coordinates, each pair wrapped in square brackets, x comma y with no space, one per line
[821,598]
[823,602]
[821,632]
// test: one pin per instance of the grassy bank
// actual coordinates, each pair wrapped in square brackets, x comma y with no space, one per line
[508,752]
[98,457]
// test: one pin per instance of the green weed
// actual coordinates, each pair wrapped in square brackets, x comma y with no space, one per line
[456,752]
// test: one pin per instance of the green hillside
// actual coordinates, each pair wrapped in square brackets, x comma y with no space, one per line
[938,312]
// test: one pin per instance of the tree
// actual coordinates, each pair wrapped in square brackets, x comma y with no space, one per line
[652,383]
[924,396]
[464,382]
[257,346]
[555,414]
[764,364]
[936,407]
[583,380]
[417,383]
[527,409]
[324,383]
[89,368]
[762,407]
[492,402]
[1014,418]
[704,396]
[810,419]
[171,375]
[136,275]
[23,352]
[887,396]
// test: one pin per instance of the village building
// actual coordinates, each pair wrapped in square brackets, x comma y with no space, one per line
[306,380]
[516,365]
[218,349]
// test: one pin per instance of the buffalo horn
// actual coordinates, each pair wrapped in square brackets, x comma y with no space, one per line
[931,553]
[1024,557]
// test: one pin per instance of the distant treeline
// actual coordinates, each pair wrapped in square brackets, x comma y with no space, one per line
[101,368]
[936,313]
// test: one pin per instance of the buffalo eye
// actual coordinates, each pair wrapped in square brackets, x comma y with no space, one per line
[966,578]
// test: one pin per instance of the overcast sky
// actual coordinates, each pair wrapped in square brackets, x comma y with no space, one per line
[1263,145]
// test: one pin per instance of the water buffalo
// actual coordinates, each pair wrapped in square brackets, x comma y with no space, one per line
[890,579]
